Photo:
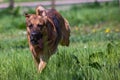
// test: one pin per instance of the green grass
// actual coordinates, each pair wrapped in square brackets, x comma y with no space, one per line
[93,54]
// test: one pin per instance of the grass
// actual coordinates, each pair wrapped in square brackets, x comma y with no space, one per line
[92,55]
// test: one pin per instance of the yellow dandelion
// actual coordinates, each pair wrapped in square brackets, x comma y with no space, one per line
[94,30]
[107,30]
[76,28]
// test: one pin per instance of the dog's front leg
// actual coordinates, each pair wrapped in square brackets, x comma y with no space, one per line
[42,65]
[36,59]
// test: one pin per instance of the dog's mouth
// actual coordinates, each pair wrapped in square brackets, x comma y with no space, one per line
[37,41]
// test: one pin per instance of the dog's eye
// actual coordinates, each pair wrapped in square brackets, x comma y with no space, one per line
[30,26]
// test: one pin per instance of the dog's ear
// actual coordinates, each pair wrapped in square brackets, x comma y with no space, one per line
[40,11]
[27,15]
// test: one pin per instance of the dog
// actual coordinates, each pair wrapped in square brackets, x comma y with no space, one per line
[45,30]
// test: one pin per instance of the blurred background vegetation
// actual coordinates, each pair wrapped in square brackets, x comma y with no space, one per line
[93,54]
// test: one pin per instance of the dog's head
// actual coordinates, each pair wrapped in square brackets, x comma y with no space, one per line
[36,28]
[39,27]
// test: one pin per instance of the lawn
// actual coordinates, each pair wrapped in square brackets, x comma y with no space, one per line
[93,54]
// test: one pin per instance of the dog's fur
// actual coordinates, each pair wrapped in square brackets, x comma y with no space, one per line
[50,29]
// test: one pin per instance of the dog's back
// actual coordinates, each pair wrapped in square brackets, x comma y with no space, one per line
[61,25]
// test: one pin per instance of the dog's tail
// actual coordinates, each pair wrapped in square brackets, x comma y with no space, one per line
[65,34]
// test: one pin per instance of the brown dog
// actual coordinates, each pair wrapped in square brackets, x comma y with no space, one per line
[45,30]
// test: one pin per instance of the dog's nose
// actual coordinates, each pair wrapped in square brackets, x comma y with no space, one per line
[37,35]
[34,37]
[34,34]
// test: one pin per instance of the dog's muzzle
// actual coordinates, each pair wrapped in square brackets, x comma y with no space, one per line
[35,37]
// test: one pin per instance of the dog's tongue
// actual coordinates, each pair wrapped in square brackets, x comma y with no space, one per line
[40,43]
